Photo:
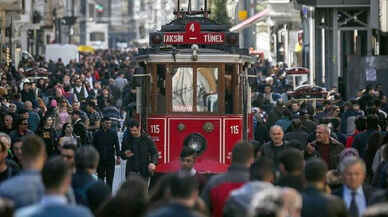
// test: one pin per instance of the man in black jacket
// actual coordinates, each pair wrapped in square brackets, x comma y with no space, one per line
[79,128]
[291,165]
[140,152]
[315,201]
[273,148]
[107,144]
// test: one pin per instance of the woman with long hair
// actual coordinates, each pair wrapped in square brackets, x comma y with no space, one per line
[67,136]
[48,133]
[63,114]
[42,107]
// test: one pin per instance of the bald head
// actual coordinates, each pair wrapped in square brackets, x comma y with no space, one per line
[322,133]
[276,133]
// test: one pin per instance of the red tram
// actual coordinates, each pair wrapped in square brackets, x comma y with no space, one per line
[194,91]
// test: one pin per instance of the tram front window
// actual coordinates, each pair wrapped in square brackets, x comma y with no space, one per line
[182,89]
[207,97]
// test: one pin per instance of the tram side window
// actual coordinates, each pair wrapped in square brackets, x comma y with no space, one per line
[207,96]
[228,89]
[161,88]
[182,89]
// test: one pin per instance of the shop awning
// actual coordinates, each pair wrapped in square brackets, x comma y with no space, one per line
[255,18]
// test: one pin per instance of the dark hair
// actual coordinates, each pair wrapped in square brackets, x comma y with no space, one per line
[64,128]
[335,122]
[261,169]
[20,121]
[133,123]
[22,111]
[159,191]
[315,170]
[44,120]
[91,103]
[76,113]
[360,123]
[187,151]
[54,172]
[17,140]
[70,146]
[292,160]
[374,143]
[242,153]
[33,148]
[130,200]
[183,186]
[105,119]
[86,157]
[296,123]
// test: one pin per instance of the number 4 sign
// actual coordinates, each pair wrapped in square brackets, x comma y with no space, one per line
[193,30]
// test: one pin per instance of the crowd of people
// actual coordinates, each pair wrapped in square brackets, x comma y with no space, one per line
[59,147]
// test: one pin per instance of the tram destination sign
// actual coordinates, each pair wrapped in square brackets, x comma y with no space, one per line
[193,35]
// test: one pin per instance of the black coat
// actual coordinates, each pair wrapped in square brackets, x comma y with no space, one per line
[295,182]
[144,151]
[319,204]
[360,142]
[95,191]
[107,144]
[298,135]
[81,132]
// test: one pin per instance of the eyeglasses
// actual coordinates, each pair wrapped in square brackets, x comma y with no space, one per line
[24,124]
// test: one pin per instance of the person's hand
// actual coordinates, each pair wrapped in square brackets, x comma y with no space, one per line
[309,148]
[151,167]
[118,160]
[129,153]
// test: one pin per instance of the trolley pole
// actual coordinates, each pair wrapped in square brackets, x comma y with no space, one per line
[245,86]
[3,27]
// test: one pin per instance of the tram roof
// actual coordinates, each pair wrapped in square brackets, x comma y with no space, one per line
[186,56]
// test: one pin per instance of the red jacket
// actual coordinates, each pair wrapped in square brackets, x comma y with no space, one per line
[350,139]
[217,190]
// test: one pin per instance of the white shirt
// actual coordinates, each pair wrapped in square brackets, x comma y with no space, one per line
[360,199]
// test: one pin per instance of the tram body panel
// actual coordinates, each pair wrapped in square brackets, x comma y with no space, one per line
[221,133]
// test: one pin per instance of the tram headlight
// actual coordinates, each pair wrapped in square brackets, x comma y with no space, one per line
[195,49]
[196,142]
